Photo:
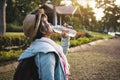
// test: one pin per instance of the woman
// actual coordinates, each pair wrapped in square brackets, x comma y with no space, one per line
[49,57]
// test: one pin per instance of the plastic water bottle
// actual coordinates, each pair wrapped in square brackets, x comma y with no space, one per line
[68,31]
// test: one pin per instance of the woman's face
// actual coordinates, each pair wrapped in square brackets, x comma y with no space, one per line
[47,28]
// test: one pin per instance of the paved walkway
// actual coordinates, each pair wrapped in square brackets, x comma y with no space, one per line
[111,47]
[93,61]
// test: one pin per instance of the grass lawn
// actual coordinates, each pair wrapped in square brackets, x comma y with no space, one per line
[14,33]
[102,35]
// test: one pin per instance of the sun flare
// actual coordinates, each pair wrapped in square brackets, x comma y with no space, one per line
[66,2]
[92,3]
[98,13]
[117,2]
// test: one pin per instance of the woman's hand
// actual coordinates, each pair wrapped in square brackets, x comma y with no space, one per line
[64,33]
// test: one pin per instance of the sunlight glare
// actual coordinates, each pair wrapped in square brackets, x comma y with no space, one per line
[92,3]
[82,2]
[98,13]
[66,2]
[117,2]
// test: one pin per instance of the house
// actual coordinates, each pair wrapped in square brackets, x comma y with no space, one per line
[61,11]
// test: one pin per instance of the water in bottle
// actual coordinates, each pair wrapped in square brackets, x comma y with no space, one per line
[68,31]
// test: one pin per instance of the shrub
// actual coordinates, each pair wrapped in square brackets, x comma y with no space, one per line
[73,43]
[9,55]
[83,34]
[18,39]
[14,28]
[73,21]
[55,36]
[80,34]
[83,40]
[88,35]
[12,40]
[95,38]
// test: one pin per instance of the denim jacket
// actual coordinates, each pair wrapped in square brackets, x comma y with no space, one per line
[45,60]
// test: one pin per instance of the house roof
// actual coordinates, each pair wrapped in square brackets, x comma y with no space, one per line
[63,10]
[66,9]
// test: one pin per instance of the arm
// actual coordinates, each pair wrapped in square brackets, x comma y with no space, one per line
[46,65]
[65,43]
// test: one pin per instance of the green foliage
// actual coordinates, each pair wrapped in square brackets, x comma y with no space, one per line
[73,43]
[19,8]
[73,21]
[83,40]
[9,55]
[99,35]
[17,39]
[110,21]
[83,34]
[12,40]
[14,28]
[87,18]
[55,36]
[86,37]
[76,23]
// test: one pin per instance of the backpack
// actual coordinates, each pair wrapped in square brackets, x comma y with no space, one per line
[26,70]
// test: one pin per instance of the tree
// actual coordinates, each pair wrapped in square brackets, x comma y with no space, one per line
[19,8]
[2,17]
[81,17]
[88,20]
[16,11]
[112,15]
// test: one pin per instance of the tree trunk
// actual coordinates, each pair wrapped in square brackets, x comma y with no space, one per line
[2,17]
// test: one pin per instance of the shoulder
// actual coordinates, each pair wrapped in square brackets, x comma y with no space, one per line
[35,48]
[50,56]
[42,47]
